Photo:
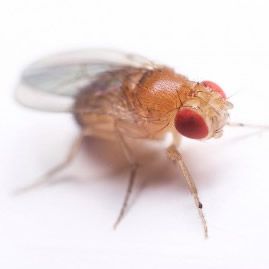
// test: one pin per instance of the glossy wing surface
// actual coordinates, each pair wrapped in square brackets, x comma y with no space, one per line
[52,84]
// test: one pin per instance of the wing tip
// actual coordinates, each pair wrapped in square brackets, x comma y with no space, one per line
[28,97]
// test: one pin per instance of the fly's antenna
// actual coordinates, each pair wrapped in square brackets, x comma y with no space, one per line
[233,94]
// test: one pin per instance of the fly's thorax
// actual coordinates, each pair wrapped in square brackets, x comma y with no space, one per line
[159,92]
[156,99]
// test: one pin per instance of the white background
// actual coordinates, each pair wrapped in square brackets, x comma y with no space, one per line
[69,225]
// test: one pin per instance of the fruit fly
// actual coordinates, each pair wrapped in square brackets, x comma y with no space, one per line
[121,96]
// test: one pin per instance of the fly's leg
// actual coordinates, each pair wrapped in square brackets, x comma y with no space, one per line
[134,167]
[255,126]
[175,156]
[127,195]
[47,177]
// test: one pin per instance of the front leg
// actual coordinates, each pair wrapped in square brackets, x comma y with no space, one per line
[247,125]
[175,156]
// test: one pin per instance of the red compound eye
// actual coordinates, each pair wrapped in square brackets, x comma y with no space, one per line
[213,86]
[191,124]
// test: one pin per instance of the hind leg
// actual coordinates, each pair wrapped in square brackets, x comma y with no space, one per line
[133,171]
[48,176]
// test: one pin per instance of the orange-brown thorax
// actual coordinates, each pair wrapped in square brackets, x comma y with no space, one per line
[161,91]
[157,97]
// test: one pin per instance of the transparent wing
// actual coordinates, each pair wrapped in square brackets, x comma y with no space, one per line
[51,84]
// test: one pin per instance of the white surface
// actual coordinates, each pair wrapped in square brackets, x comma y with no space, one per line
[69,225]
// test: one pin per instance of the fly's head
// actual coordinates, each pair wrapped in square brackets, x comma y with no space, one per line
[204,112]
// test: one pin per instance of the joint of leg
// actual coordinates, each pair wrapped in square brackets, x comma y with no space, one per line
[173,154]
[134,165]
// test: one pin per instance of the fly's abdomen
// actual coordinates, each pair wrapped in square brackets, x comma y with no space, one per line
[106,99]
